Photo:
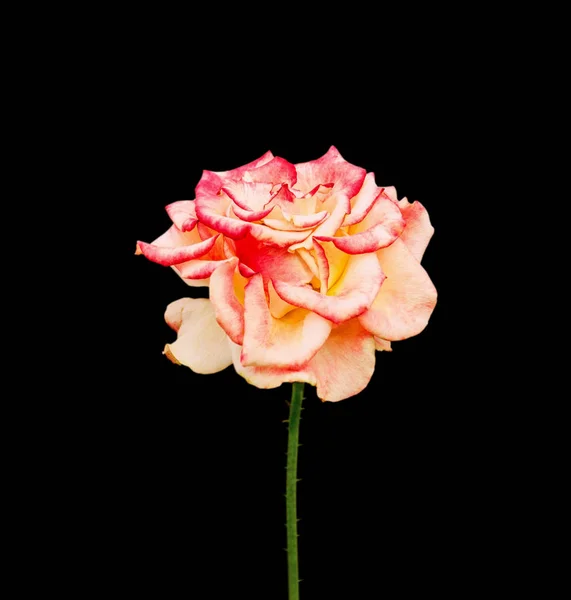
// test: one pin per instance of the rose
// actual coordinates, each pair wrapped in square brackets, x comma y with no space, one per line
[311,267]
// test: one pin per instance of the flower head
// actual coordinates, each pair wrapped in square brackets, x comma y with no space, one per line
[311,267]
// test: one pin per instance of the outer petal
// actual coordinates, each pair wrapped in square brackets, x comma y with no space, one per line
[174,238]
[211,210]
[277,170]
[229,312]
[382,345]
[211,207]
[173,313]
[288,342]
[269,377]
[199,269]
[209,184]
[201,344]
[345,364]
[418,230]
[352,295]
[183,214]
[174,256]
[391,192]
[330,168]
[407,297]
[342,368]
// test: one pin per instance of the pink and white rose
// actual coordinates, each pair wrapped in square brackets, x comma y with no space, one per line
[311,268]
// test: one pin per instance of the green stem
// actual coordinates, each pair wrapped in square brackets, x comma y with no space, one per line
[291,484]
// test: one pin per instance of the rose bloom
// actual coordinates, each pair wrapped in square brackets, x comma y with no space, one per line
[311,268]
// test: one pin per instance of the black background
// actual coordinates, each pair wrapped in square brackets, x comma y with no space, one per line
[138,477]
[190,468]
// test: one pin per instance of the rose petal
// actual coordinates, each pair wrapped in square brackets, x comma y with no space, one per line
[174,238]
[330,225]
[199,269]
[228,310]
[211,210]
[340,369]
[183,214]
[248,196]
[407,297]
[336,259]
[277,170]
[271,262]
[322,266]
[306,205]
[173,313]
[362,203]
[322,189]
[391,193]
[205,232]
[303,221]
[309,259]
[418,230]
[287,342]
[275,237]
[229,247]
[278,307]
[381,227]
[201,344]
[249,215]
[294,222]
[330,168]
[345,364]
[382,345]
[209,185]
[245,270]
[269,377]
[175,256]
[283,197]
[352,295]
